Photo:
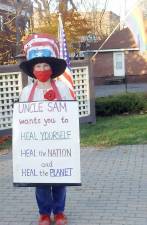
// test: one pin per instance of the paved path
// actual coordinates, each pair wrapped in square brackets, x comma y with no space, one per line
[113,191]
[105,90]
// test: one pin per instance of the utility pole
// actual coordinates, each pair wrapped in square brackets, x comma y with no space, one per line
[17,26]
[24,9]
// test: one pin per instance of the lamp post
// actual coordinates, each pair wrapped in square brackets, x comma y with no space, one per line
[126,77]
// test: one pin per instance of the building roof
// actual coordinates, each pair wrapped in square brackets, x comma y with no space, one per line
[6,6]
[9,6]
[122,39]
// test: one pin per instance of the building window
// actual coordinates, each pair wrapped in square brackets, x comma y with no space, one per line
[1,23]
[119,61]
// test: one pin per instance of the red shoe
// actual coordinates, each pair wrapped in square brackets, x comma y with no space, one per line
[60,219]
[44,220]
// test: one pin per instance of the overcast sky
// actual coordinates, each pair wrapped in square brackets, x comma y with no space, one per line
[117,6]
[120,7]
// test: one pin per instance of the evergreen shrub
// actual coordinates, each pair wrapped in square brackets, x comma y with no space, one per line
[119,104]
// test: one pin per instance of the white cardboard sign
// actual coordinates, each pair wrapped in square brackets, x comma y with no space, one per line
[46,145]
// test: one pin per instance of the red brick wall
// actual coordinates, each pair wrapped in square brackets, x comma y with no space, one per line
[103,65]
[135,64]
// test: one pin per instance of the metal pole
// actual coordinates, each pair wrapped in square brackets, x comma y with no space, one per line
[126,83]
[126,78]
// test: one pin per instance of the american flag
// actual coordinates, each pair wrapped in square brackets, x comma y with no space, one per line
[67,77]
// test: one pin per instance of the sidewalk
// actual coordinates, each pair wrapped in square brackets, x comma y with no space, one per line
[113,191]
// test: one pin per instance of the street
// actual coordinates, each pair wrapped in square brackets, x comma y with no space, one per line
[106,90]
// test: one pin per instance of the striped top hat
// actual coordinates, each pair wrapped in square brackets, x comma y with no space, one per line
[40,48]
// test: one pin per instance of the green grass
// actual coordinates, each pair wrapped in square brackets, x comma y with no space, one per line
[7,145]
[116,130]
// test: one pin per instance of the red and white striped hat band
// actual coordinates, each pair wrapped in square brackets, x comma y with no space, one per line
[40,45]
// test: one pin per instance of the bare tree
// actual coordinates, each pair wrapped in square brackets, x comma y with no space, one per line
[23,9]
[95,11]
[66,2]
[14,25]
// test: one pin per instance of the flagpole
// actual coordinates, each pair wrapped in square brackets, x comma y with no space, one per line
[93,57]
[59,33]
[59,27]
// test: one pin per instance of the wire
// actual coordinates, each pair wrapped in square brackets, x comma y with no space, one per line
[137,2]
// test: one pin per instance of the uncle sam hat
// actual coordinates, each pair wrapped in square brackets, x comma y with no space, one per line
[42,48]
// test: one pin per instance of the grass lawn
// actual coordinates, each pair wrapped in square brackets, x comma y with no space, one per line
[6,145]
[110,131]
[116,130]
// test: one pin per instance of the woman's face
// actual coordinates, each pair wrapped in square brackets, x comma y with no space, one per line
[41,67]
[42,72]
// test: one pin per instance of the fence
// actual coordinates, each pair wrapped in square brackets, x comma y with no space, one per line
[12,82]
